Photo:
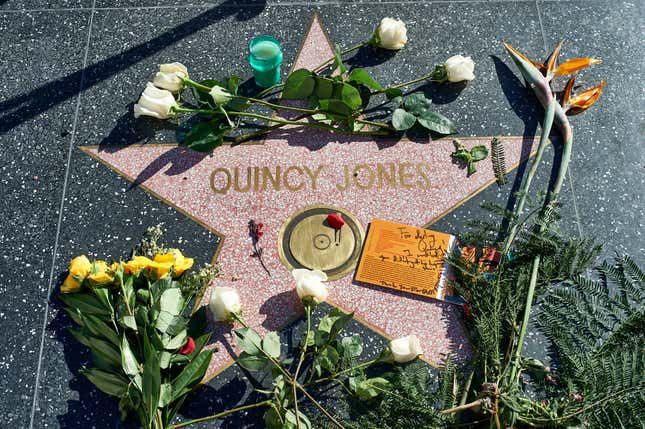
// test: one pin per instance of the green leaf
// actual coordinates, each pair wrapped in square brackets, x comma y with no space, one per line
[272,418]
[402,120]
[164,359]
[479,152]
[336,107]
[106,351]
[203,98]
[371,388]
[352,346]
[79,335]
[191,374]
[105,296]
[392,93]
[300,84]
[85,302]
[129,322]
[362,76]
[151,384]
[328,358]
[338,60]
[290,418]
[324,87]
[108,382]
[129,362]
[165,394]
[248,340]
[75,315]
[271,344]
[417,104]
[171,301]
[176,341]
[334,322]
[437,123]
[100,329]
[351,97]
[206,136]
[198,322]
[252,362]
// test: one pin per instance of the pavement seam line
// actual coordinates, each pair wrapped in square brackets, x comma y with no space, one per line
[60,219]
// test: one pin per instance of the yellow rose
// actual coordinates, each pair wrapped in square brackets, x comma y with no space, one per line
[137,264]
[177,259]
[158,270]
[79,268]
[101,274]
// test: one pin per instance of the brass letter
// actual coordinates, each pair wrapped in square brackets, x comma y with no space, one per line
[256,179]
[275,181]
[383,175]
[424,183]
[236,180]
[313,176]
[344,188]
[370,182]
[226,187]
[403,175]
[286,179]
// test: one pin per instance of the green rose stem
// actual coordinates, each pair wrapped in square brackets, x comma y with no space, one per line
[302,358]
[320,407]
[338,374]
[222,414]
[290,122]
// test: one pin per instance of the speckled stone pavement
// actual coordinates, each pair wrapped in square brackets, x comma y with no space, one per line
[73,68]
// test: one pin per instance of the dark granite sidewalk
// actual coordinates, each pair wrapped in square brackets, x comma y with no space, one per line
[72,69]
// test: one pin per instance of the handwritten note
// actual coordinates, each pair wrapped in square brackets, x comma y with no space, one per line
[406,258]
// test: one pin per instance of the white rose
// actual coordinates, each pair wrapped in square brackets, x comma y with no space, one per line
[405,349]
[155,102]
[169,77]
[220,95]
[223,302]
[391,34]
[460,68]
[309,283]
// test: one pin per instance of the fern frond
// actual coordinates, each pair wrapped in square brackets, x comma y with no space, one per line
[498,158]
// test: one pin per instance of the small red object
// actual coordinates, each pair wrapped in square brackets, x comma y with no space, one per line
[187,348]
[576,396]
[335,220]
[467,311]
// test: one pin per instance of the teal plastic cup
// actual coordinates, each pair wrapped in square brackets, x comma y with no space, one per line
[265,58]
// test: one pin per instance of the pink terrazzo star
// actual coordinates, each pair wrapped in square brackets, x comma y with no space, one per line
[313,168]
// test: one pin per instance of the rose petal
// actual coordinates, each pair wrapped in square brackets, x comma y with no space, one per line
[187,348]
[335,220]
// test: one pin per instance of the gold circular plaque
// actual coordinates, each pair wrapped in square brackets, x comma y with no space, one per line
[307,241]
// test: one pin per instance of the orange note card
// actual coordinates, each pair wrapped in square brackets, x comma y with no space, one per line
[406,258]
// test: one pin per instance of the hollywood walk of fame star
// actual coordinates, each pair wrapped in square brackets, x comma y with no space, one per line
[295,168]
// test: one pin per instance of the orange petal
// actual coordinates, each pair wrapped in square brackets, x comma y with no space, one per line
[581,102]
[574,65]
[553,59]
[567,91]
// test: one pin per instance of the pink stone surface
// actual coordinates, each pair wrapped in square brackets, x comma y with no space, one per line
[182,178]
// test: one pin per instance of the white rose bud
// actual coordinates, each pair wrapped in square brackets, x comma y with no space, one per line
[155,102]
[223,302]
[391,34]
[169,77]
[405,349]
[220,95]
[309,283]
[460,68]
